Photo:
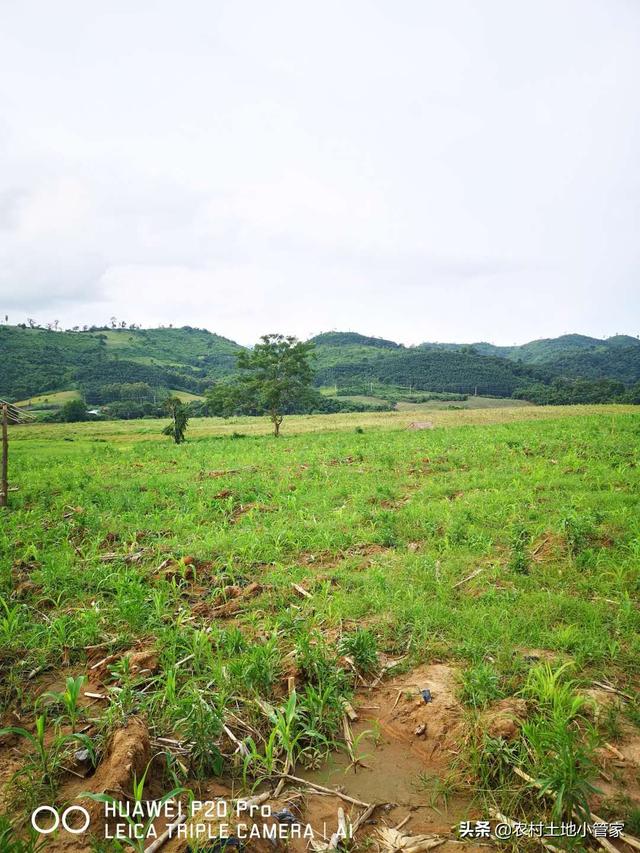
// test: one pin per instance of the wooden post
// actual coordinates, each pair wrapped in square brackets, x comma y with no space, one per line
[4,475]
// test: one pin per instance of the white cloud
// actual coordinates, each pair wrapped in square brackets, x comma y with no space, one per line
[421,171]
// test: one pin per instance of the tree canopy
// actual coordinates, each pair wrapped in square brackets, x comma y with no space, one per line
[275,374]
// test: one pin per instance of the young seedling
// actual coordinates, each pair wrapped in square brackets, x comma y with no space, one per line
[363,648]
[10,841]
[69,698]
[282,739]
[47,759]
[10,623]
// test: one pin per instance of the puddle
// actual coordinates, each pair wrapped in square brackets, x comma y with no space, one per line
[392,772]
[413,743]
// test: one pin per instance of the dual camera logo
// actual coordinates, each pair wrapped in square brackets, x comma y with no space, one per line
[46,819]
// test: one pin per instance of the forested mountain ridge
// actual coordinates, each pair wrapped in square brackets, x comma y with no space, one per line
[36,360]
[354,359]
[418,369]
[549,350]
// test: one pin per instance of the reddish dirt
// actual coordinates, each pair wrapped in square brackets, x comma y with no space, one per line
[431,729]
[230,601]
[504,718]
[618,759]
[320,813]
[417,743]
[329,559]
[11,759]
[142,661]
[549,546]
[127,754]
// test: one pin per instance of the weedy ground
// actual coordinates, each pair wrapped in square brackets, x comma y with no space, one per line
[164,576]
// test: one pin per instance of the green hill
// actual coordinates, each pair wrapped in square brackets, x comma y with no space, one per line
[613,362]
[35,361]
[571,356]
[535,352]
[356,361]
[353,339]
[549,349]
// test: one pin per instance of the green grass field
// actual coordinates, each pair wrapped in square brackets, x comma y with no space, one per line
[53,398]
[471,402]
[185,396]
[501,544]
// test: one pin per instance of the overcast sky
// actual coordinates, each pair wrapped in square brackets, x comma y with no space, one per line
[431,170]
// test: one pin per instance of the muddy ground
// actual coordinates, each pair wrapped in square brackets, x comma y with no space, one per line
[404,745]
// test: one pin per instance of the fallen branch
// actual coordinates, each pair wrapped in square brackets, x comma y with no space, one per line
[348,739]
[385,668]
[127,558]
[331,791]
[350,711]
[611,689]
[240,746]
[257,800]
[468,577]
[243,724]
[351,663]
[37,671]
[393,839]
[341,833]
[614,751]
[301,590]
[73,772]
[281,783]
[108,659]
[362,818]
[166,835]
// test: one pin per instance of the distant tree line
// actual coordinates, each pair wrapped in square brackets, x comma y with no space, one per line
[450,371]
[393,394]
[562,392]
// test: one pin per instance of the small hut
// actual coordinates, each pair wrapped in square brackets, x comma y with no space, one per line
[10,415]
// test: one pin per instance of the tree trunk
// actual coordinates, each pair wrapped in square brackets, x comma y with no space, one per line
[4,475]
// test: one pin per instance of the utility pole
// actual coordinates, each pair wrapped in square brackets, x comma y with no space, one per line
[4,474]
[10,415]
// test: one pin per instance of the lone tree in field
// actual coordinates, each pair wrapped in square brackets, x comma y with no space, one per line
[275,375]
[179,419]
